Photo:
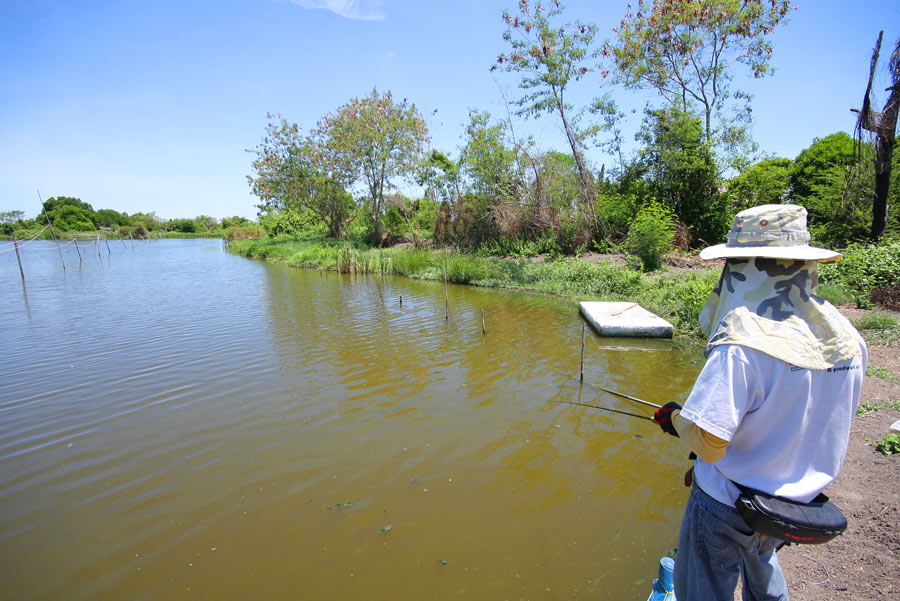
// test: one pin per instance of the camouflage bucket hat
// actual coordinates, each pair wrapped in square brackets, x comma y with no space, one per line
[773,232]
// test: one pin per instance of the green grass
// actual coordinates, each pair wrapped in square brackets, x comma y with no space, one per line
[867,408]
[879,326]
[677,297]
[880,372]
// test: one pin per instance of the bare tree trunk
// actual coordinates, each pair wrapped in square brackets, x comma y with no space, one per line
[883,125]
[587,187]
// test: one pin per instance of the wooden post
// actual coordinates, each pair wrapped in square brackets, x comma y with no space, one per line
[108,252]
[74,239]
[132,241]
[401,300]
[446,299]
[53,231]
[483,330]
[19,258]
[98,246]
[581,376]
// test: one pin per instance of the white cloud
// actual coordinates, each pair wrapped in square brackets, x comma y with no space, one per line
[364,10]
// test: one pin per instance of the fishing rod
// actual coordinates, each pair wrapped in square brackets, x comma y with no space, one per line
[627,397]
[603,408]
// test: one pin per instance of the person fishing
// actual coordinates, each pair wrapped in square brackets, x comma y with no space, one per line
[769,415]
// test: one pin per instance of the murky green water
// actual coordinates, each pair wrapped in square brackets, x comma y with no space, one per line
[177,422]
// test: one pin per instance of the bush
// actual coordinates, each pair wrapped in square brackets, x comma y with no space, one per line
[887,297]
[292,223]
[650,236]
[863,270]
[244,232]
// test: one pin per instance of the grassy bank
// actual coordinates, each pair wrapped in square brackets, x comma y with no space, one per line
[675,296]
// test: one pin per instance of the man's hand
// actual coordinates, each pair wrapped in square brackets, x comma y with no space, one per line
[663,417]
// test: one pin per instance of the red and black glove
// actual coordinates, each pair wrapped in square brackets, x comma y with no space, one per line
[663,417]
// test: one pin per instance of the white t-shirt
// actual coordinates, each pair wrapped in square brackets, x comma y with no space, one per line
[787,427]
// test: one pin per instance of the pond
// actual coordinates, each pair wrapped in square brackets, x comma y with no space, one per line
[177,421]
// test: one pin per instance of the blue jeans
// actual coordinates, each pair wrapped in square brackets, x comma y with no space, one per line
[715,546]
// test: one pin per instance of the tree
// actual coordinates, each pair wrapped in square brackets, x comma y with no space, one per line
[376,139]
[828,180]
[110,218]
[823,155]
[688,51]
[682,173]
[494,178]
[883,127]
[550,57]
[11,216]
[296,174]
[766,182]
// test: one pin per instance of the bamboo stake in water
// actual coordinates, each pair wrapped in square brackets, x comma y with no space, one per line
[19,258]
[52,231]
[483,330]
[446,299]
[98,246]
[74,239]
[401,300]
[108,252]
[581,373]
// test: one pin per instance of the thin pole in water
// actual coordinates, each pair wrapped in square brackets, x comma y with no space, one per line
[19,258]
[483,330]
[98,246]
[446,299]
[108,252]
[401,300]
[75,240]
[581,373]
[52,231]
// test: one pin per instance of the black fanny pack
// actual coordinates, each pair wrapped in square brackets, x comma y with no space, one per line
[811,523]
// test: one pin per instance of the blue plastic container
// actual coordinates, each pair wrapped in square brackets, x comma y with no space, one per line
[663,589]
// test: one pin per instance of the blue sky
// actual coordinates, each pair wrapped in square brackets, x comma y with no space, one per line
[151,105]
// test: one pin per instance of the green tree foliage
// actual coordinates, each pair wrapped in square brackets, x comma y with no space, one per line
[377,140]
[69,214]
[689,52]
[550,56]
[295,174]
[109,218]
[682,174]
[11,216]
[766,182]
[836,151]
[306,222]
[236,221]
[829,180]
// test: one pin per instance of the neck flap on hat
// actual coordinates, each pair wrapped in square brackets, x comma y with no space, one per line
[768,305]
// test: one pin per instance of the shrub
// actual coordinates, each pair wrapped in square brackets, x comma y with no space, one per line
[863,270]
[292,223]
[244,232]
[887,297]
[890,444]
[650,236]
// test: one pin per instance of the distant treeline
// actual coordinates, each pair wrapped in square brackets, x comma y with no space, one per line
[73,216]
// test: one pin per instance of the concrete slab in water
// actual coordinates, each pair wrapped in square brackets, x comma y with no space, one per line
[624,319]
